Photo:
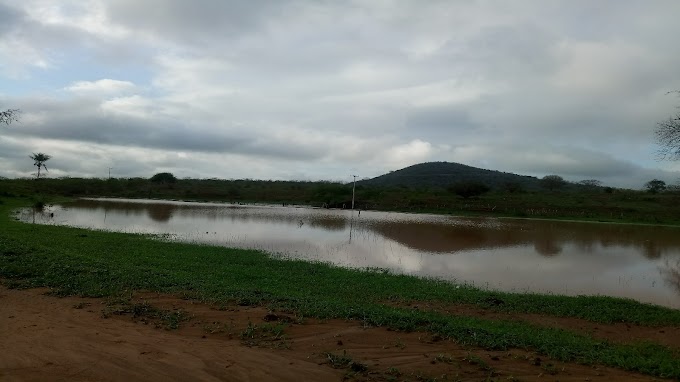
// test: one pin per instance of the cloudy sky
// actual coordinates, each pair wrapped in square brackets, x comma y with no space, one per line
[309,90]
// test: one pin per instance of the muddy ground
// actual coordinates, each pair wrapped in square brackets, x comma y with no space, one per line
[154,337]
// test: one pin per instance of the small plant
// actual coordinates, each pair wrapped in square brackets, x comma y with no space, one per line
[172,319]
[271,334]
[475,360]
[166,319]
[550,368]
[345,361]
[445,358]
[218,327]
[249,332]
[421,376]
[142,309]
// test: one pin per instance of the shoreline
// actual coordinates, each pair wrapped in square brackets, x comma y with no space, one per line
[454,214]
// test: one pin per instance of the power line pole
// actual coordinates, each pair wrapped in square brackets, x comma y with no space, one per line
[353,188]
[110,172]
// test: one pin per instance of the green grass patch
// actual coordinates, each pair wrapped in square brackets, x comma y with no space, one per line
[90,263]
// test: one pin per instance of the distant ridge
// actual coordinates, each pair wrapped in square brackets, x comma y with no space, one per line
[443,174]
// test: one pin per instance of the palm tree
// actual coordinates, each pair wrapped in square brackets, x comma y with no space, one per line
[39,161]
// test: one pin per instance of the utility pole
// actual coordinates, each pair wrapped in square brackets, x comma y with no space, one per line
[353,188]
[110,172]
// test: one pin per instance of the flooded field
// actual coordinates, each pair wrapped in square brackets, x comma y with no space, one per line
[639,262]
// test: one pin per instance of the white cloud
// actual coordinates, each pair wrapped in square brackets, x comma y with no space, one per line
[406,154]
[101,87]
[133,106]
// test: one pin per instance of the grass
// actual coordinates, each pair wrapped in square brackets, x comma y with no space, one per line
[105,264]
[166,319]
[342,361]
[271,335]
[445,358]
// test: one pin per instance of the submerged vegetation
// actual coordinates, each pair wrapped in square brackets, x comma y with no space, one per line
[106,264]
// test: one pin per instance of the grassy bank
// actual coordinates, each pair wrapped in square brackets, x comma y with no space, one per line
[94,263]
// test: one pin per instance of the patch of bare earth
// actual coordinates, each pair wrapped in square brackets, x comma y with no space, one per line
[76,339]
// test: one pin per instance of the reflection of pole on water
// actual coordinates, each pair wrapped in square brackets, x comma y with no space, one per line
[351,226]
[354,187]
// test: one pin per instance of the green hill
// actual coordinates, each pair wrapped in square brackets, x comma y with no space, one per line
[443,174]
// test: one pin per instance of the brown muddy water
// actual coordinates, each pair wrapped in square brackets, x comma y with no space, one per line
[634,261]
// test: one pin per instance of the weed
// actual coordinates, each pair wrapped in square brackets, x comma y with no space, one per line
[218,328]
[165,319]
[171,319]
[345,361]
[249,332]
[266,334]
[475,360]
[550,368]
[445,358]
[81,305]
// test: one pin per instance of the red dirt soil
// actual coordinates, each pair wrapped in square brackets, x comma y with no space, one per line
[45,338]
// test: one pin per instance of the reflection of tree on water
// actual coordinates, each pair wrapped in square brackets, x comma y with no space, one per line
[547,246]
[651,250]
[548,241]
[670,272]
[329,223]
[426,235]
[160,212]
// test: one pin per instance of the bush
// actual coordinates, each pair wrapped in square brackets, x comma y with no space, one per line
[163,177]
[553,182]
[468,189]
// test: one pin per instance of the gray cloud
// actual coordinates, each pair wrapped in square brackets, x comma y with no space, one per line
[563,87]
[194,23]
[10,18]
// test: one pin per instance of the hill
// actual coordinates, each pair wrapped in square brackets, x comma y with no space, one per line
[443,174]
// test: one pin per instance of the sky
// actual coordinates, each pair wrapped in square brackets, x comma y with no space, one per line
[322,90]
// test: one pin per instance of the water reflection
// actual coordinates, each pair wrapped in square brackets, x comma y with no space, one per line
[670,272]
[640,262]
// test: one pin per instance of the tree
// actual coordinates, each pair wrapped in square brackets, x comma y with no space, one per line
[655,185]
[468,189]
[553,182]
[590,183]
[8,116]
[39,160]
[674,188]
[668,136]
[512,186]
[163,178]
